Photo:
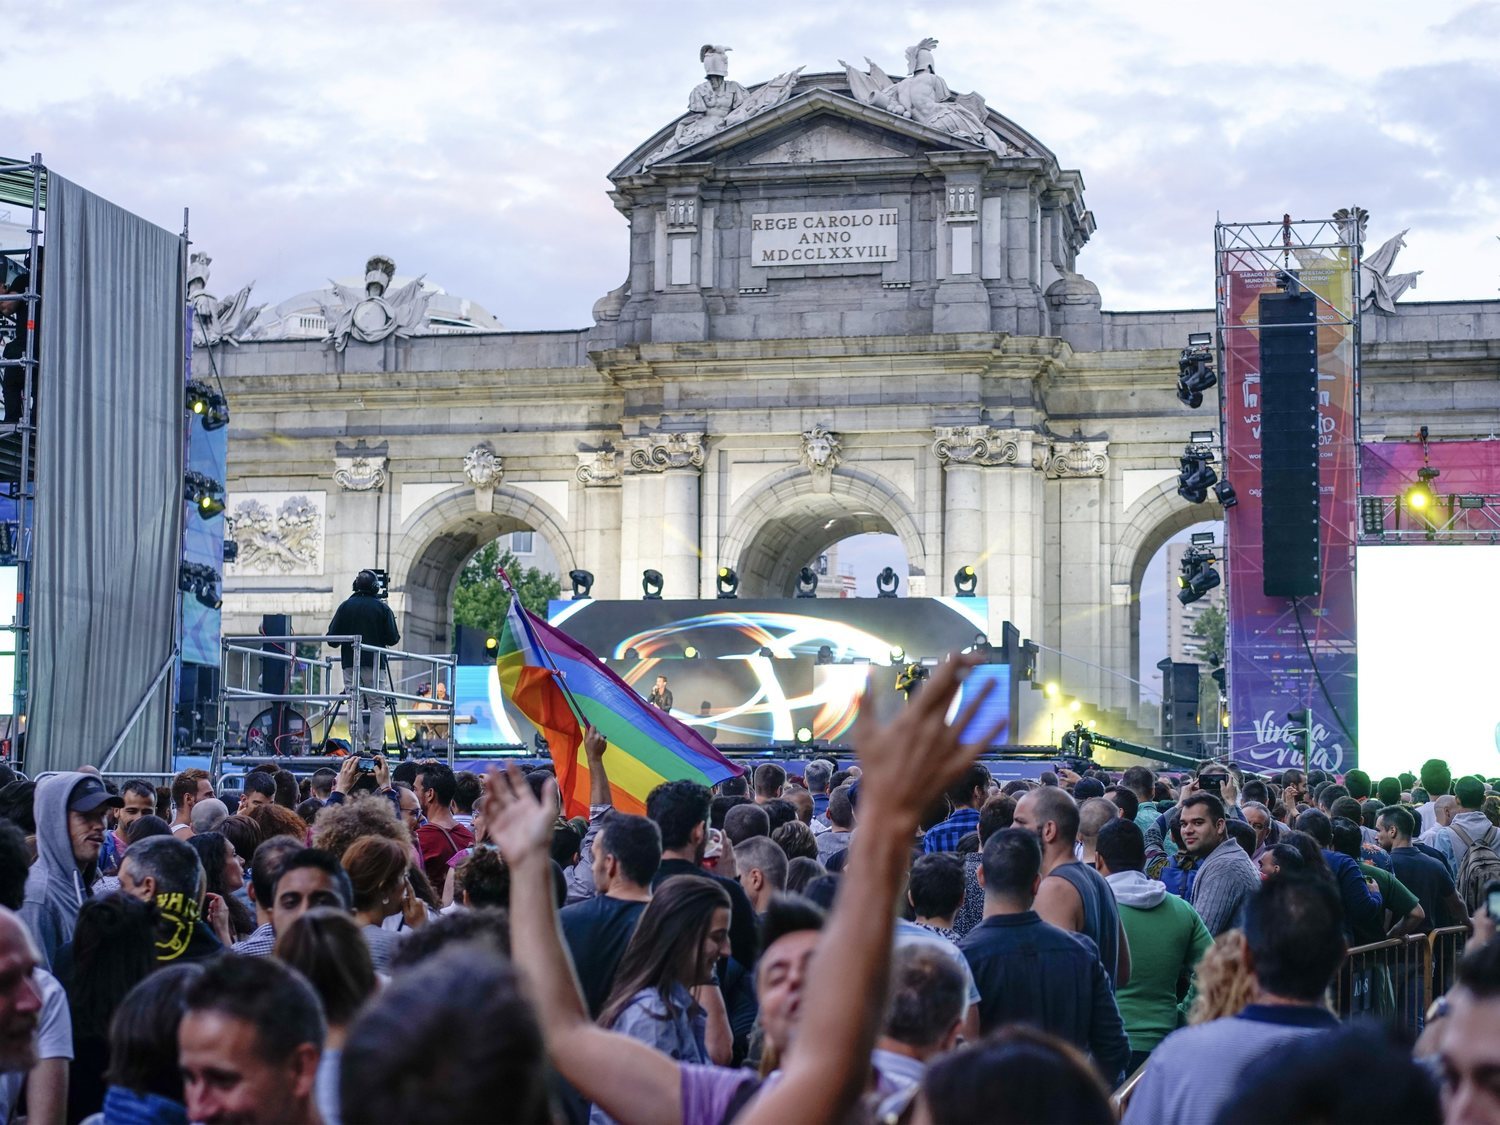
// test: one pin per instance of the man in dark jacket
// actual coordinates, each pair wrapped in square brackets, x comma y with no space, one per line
[366,615]
[1029,971]
[70,811]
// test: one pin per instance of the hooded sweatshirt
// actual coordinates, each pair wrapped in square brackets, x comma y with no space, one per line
[1167,938]
[54,887]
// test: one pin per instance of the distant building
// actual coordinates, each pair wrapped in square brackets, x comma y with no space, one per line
[1183,644]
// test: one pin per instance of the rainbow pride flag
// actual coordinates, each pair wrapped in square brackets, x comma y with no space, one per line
[561,686]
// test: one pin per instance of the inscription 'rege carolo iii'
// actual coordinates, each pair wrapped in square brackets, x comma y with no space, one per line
[819,237]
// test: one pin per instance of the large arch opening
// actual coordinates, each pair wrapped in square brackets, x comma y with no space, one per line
[790,524]
[445,536]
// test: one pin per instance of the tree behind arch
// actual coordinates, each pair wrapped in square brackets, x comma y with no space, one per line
[481,602]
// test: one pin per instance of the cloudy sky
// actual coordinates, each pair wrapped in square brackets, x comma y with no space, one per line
[470,140]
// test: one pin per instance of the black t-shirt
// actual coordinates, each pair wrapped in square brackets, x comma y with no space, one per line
[597,931]
[1428,879]
[369,618]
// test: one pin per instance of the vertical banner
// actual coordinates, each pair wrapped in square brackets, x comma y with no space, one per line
[1276,664]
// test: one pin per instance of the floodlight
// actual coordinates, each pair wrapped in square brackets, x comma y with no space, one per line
[804,735]
[965,581]
[728,582]
[651,585]
[886,583]
[807,582]
[690,653]
[583,583]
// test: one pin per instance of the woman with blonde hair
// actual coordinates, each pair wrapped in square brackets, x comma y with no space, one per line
[1223,981]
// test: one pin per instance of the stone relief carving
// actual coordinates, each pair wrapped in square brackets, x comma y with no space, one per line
[822,449]
[963,201]
[656,453]
[925,98]
[1078,459]
[682,212]
[216,321]
[375,314]
[977,445]
[598,467]
[360,471]
[278,533]
[717,103]
[482,467]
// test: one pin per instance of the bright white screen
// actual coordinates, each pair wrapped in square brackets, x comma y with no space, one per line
[1429,622]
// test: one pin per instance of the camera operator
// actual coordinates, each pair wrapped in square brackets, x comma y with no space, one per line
[366,615]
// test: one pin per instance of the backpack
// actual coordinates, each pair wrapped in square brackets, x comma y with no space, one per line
[1479,868]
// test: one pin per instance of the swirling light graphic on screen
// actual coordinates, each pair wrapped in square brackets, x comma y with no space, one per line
[834,699]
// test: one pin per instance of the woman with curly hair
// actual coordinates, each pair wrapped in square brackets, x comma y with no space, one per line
[340,825]
[1223,981]
[274,820]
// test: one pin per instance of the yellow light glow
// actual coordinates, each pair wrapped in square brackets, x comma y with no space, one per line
[1417,498]
[1075,706]
[1051,690]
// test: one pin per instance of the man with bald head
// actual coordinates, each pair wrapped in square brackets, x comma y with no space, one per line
[1439,838]
[1073,896]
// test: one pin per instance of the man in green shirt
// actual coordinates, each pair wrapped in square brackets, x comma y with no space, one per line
[1165,928]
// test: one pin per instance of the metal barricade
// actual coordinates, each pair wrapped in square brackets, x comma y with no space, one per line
[1446,946]
[1120,1099]
[308,683]
[1386,980]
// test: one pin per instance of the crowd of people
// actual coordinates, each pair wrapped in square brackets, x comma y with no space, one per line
[901,939]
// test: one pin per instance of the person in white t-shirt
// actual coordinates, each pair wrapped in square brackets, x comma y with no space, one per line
[36,1031]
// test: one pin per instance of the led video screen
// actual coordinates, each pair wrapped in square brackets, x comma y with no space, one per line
[747,673]
[1428,619]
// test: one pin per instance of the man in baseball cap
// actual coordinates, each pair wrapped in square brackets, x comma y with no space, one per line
[69,811]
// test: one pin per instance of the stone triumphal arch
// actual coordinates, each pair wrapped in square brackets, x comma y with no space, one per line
[851,303]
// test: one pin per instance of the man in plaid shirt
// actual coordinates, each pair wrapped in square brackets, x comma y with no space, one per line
[964,798]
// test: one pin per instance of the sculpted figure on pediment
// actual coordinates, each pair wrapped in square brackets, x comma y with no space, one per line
[716,102]
[925,98]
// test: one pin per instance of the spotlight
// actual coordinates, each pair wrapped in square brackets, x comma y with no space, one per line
[199,395]
[1197,575]
[632,654]
[804,736]
[200,581]
[807,582]
[728,582]
[690,653]
[203,492]
[965,581]
[1051,689]
[1075,706]
[1195,370]
[825,654]
[898,655]
[1225,493]
[491,646]
[1194,476]
[208,598]
[217,415]
[651,584]
[583,582]
[886,583]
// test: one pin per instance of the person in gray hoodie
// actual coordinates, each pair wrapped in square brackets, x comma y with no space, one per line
[69,810]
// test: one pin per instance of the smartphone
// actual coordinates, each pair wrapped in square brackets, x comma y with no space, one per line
[1492,903]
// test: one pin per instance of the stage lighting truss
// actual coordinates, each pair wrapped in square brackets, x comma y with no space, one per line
[202,582]
[1196,576]
[205,494]
[1195,369]
[583,583]
[1195,477]
[807,582]
[1423,514]
[886,583]
[728,582]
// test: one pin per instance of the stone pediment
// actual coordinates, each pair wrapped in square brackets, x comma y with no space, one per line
[815,125]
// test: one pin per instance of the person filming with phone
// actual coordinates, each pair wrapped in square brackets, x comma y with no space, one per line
[366,615]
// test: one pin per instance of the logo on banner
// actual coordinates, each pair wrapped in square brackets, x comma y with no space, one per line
[1276,745]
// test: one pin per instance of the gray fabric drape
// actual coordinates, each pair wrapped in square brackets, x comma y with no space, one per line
[109,509]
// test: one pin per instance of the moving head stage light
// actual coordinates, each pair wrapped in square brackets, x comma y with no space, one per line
[1195,478]
[807,582]
[728,582]
[1195,369]
[202,582]
[1197,575]
[965,581]
[651,585]
[583,582]
[204,493]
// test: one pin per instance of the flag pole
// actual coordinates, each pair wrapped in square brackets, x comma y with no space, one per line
[547,656]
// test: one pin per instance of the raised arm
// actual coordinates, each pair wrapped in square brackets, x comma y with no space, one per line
[601,803]
[623,1077]
[906,765]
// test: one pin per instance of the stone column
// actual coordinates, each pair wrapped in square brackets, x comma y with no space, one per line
[1076,473]
[600,538]
[663,504]
[991,519]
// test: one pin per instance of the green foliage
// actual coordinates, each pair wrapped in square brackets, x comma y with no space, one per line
[482,602]
[1210,626]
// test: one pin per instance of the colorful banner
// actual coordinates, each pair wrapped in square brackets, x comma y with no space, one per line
[1274,664]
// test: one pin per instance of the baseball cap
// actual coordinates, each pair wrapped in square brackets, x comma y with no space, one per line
[90,794]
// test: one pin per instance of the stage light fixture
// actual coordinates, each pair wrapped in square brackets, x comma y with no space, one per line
[208,598]
[1051,689]
[965,581]
[217,415]
[1195,370]
[583,583]
[807,582]
[825,654]
[1196,576]
[690,653]
[633,654]
[1194,476]
[728,582]
[202,582]
[199,395]
[886,583]
[203,492]
[491,645]
[1225,493]
[651,585]
[804,736]
[1075,706]
[898,655]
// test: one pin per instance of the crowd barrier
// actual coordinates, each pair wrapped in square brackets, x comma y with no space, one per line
[1395,981]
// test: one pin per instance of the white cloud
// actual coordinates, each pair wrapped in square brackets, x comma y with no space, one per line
[470,140]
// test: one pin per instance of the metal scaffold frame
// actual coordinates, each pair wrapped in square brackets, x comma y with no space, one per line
[23,182]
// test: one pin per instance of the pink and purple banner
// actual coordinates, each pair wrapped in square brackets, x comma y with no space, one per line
[1275,662]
